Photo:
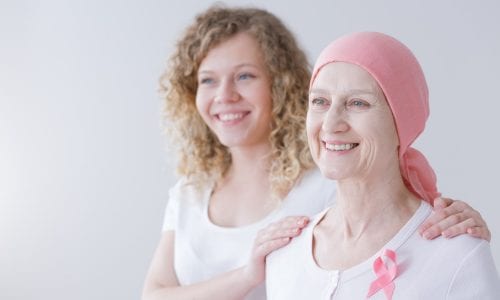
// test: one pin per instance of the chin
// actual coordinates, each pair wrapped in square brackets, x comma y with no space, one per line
[229,140]
[332,173]
[230,143]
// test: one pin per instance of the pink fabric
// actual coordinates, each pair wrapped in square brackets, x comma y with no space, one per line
[398,73]
[386,272]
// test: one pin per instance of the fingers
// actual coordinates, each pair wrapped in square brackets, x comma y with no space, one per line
[262,250]
[287,227]
[469,226]
[452,218]
[438,222]
[480,233]
[431,228]
[443,208]
[273,233]
[440,203]
[456,225]
[255,269]
[278,234]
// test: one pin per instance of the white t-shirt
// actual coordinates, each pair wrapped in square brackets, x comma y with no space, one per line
[204,250]
[458,268]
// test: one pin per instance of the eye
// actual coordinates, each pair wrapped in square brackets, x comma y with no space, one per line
[358,104]
[245,76]
[206,80]
[319,102]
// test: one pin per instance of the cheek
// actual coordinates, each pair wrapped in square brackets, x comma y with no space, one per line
[384,139]
[268,105]
[203,113]
[201,104]
[264,96]
[313,127]
[309,128]
[380,127]
[314,121]
[389,134]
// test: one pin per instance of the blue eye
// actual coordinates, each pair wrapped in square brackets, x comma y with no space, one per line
[358,103]
[206,80]
[318,101]
[245,76]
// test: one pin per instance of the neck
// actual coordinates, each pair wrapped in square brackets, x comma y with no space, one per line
[374,204]
[243,195]
[249,164]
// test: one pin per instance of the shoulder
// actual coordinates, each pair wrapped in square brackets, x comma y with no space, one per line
[186,203]
[466,253]
[285,264]
[293,265]
[457,248]
[299,250]
[441,253]
[475,275]
[463,266]
[186,189]
[185,195]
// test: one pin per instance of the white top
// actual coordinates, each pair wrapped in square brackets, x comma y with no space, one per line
[204,250]
[458,268]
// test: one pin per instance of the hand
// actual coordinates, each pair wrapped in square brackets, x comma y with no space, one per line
[273,237]
[452,218]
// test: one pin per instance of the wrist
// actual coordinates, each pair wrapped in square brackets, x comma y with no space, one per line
[249,277]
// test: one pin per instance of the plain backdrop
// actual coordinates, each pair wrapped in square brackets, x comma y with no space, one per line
[84,167]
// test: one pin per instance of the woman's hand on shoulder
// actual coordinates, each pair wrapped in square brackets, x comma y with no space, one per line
[452,218]
[274,236]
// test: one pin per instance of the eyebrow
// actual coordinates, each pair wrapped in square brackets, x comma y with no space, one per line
[235,67]
[246,65]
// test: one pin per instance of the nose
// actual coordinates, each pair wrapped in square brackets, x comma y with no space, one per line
[226,92]
[335,120]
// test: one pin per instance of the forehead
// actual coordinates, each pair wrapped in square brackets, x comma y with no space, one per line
[241,48]
[345,77]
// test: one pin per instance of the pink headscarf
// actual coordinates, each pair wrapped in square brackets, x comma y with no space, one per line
[399,75]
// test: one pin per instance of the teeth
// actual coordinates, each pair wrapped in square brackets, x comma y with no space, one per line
[341,147]
[230,117]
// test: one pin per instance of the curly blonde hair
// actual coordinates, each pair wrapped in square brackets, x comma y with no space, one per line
[201,155]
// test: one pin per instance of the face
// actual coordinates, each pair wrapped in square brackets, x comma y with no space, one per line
[350,128]
[234,92]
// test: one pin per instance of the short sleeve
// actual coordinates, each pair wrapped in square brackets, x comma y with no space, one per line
[172,209]
[477,277]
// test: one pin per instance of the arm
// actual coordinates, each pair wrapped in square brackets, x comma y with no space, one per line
[161,281]
[452,218]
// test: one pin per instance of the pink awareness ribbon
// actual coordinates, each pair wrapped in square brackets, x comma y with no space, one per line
[385,274]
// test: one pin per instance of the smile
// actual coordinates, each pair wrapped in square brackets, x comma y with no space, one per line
[228,117]
[340,147]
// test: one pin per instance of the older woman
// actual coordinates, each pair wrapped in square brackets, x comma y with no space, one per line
[368,102]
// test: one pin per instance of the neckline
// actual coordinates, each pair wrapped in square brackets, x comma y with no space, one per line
[261,223]
[248,227]
[394,243]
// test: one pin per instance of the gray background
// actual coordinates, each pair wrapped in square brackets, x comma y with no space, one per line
[84,171]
